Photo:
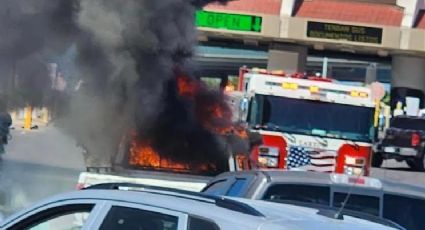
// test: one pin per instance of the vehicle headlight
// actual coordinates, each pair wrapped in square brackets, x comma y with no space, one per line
[271,162]
[268,156]
[353,171]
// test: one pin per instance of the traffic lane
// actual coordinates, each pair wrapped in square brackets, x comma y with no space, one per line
[45,146]
[399,172]
[37,164]
[22,183]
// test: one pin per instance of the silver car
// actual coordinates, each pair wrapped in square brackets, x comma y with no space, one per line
[141,208]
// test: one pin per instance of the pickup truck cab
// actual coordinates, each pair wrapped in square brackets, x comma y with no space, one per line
[400,203]
[404,140]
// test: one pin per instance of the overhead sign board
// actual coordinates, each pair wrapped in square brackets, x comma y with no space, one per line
[226,21]
[350,33]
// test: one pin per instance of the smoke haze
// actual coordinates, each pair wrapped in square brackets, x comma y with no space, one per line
[129,53]
[31,31]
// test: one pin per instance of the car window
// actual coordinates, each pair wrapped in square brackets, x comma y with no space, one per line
[70,217]
[133,218]
[237,187]
[196,223]
[405,211]
[361,203]
[71,221]
[216,188]
[408,123]
[299,193]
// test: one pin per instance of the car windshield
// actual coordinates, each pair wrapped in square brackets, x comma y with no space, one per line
[313,117]
[408,123]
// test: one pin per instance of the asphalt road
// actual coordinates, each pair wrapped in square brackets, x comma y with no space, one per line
[37,164]
[400,172]
[44,162]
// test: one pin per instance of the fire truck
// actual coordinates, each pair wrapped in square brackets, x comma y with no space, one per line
[307,123]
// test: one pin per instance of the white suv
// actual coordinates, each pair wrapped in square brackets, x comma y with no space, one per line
[141,208]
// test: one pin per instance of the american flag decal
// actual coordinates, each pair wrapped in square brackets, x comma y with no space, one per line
[310,159]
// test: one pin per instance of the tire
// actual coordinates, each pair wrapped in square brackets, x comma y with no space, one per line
[377,160]
[417,164]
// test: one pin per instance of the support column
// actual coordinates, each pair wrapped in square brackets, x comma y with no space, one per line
[289,58]
[408,79]
[371,73]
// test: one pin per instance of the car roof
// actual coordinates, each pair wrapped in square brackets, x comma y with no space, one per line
[303,177]
[271,214]
[325,178]
[297,217]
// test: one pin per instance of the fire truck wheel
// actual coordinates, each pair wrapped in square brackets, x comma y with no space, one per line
[377,160]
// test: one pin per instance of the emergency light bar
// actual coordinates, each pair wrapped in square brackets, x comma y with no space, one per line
[358,94]
[288,85]
[301,88]
[316,89]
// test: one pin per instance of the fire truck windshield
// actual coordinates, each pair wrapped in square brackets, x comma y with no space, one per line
[299,116]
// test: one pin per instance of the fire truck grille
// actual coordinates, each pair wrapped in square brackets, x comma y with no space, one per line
[319,160]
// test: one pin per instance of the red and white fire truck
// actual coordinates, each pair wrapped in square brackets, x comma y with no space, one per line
[312,124]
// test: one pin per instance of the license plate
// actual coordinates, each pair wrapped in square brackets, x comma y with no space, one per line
[389,149]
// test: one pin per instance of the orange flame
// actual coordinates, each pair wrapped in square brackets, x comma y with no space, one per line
[186,86]
[143,155]
[229,88]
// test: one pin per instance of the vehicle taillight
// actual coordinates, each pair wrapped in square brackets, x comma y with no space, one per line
[416,139]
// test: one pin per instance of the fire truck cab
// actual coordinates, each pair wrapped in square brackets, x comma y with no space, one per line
[309,124]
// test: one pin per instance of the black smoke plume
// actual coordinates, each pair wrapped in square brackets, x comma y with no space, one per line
[129,55]
[31,32]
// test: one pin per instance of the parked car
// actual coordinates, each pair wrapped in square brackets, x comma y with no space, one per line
[396,202]
[142,207]
[404,140]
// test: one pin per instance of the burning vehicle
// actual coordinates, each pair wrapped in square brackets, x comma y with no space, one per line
[144,160]
[142,115]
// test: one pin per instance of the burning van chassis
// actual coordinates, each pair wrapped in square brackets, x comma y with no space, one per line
[139,155]
[136,153]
